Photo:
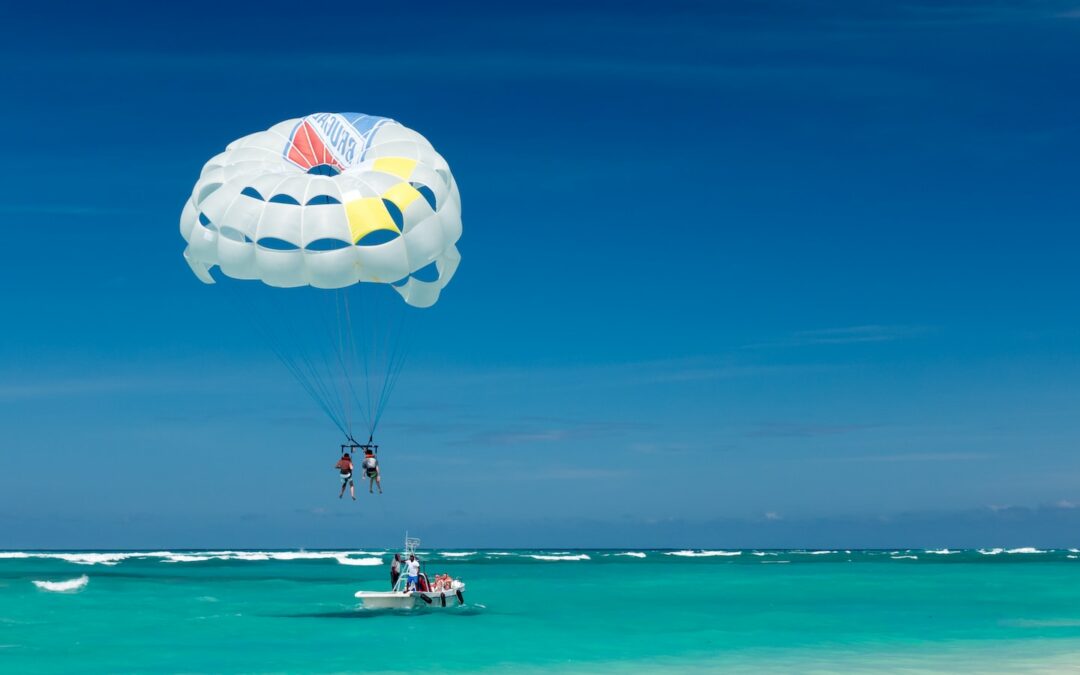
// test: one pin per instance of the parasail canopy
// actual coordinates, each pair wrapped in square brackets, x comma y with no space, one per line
[328,200]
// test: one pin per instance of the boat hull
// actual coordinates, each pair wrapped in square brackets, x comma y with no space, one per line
[396,600]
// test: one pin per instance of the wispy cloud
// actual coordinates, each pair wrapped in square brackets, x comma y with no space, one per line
[619,375]
[912,457]
[846,335]
[30,386]
[66,210]
[524,433]
[843,79]
[797,430]
[517,472]
[855,334]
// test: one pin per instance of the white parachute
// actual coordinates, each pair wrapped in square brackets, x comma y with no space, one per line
[326,204]
[328,200]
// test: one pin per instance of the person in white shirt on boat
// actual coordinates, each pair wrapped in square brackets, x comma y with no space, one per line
[371,470]
[412,572]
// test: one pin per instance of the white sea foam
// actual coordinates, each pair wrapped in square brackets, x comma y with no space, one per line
[560,557]
[991,551]
[305,555]
[63,586]
[13,554]
[457,554]
[775,562]
[904,557]
[88,558]
[763,553]
[250,556]
[1025,549]
[942,551]
[632,554]
[184,558]
[1071,556]
[362,562]
[703,554]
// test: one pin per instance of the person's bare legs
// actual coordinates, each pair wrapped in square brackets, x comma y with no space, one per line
[378,481]
[352,490]
[342,493]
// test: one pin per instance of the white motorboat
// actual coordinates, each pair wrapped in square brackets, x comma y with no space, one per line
[410,599]
[402,598]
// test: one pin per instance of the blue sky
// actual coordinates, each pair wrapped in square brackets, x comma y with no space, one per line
[733,274]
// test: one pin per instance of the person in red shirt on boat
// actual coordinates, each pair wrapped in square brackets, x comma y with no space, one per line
[345,466]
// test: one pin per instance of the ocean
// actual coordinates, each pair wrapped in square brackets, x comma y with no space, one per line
[989,610]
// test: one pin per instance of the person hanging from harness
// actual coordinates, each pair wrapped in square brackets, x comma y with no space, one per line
[370,465]
[345,466]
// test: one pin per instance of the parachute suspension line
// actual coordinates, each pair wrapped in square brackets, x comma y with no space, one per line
[317,380]
[322,378]
[382,353]
[366,359]
[364,408]
[312,389]
[311,385]
[394,366]
[345,381]
[335,356]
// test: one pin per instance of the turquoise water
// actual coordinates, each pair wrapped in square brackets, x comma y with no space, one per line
[579,611]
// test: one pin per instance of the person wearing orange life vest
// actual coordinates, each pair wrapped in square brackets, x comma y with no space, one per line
[345,466]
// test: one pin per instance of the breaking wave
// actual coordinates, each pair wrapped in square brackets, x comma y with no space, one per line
[581,556]
[63,586]
[703,554]
[182,558]
[360,562]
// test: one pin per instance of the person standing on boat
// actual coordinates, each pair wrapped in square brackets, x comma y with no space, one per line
[412,570]
[395,570]
[345,466]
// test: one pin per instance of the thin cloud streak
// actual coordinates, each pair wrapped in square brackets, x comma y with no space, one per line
[846,335]
[911,457]
[796,430]
[859,81]
[68,210]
